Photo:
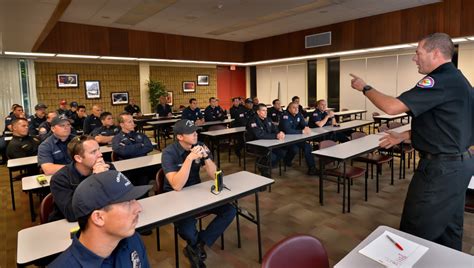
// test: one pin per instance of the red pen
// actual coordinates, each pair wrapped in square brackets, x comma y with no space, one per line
[395,242]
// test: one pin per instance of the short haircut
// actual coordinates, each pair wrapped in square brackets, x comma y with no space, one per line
[275,100]
[82,221]
[319,101]
[292,103]
[104,115]
[191,100]
[440,41]
[235,98]
[76,146]
[294,98]
[261,105]
[81,107]
[17,106]
[18,120]
[211,98]
[120,117]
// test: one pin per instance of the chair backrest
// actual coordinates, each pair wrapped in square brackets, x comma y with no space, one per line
[383,128]
[114,157]
[469,205]
[326,144]
[344,109]
[394,125]
[357,135]
[296,251]
[375,114]
[46,208]
[160,181]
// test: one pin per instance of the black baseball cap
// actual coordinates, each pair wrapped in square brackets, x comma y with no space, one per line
[40,106]
[103,189]
[58,120]
[74,104]
[248,100]
[185,126]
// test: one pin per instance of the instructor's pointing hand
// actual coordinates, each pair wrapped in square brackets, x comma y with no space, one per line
[357,82]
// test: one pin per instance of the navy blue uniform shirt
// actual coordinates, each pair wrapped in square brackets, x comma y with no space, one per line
[163,110]
[172,160]
[105,131]
[258,128]
[130,145]
[242,116]
[63,184]
[129,253]
[22,147]
[317,116]
[90,123]
[191,114]
[214,114]
[442,108]
[53,150]
[292,124]
[274,114]
[8,121]
[33,124]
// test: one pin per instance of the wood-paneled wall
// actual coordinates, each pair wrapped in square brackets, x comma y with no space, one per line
[82,39]
[404,26]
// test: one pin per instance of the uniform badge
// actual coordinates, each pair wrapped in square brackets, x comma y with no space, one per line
[253,125]
[298,119]
[285,117]
[241,115]
[273,114]
[135,259]
[426,82]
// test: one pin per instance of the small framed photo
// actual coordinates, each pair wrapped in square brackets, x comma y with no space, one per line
[92,89]
[169,99]
[203,80]
[189,86]
[67,80]
[119,98]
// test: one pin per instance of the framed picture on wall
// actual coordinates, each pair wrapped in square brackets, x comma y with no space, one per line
[169,99]
[119,98]
[92,89]
[67,80]
[189,86]
[203,80]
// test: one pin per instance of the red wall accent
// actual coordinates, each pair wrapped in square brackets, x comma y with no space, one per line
[230,84]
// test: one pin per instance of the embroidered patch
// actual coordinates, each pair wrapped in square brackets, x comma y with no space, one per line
[426,82]
[285,117]
[253,125]
[298,119]
[241,115]
[135,259]
[274,114]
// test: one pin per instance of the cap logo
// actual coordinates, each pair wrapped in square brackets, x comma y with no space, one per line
[189,123]
[120,175]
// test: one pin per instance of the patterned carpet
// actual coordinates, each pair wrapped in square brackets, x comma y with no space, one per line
[291,207]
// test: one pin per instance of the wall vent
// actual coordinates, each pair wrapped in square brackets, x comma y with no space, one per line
[317,40]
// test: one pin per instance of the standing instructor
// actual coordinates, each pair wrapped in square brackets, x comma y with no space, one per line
[441,105]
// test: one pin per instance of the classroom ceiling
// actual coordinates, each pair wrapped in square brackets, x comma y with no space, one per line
[22,21]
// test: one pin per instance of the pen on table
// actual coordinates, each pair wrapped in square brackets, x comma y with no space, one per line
[395,242]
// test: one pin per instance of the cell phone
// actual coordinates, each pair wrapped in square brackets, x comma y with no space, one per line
[218,181]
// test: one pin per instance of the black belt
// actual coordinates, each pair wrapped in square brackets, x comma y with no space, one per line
[446,157]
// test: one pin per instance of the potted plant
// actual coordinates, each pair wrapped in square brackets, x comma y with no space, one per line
[156,89]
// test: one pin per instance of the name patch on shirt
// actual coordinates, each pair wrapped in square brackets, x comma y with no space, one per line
[426,82]
[253,125]
[285,117]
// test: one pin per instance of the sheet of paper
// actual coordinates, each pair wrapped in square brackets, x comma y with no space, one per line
[387,253]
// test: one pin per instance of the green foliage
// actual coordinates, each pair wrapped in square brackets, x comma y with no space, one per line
[156,89]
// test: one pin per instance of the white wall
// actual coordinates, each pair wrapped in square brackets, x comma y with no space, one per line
[466,61]
[291,77]
[391,74]
[321,79]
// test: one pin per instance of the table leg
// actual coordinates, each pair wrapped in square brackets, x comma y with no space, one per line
[321,181]
[270,162]
[218,153]
[11,189]
[245,155]
[32,209]
[257,207]
[344,187]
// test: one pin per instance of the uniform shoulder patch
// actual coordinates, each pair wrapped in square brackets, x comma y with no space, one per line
[426,82]
[285,117]
[253,125]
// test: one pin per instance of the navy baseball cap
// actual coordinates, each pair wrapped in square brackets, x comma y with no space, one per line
[103,189]
[74,104]
[184,126]
[248,100]
[40,106]
[58,120]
